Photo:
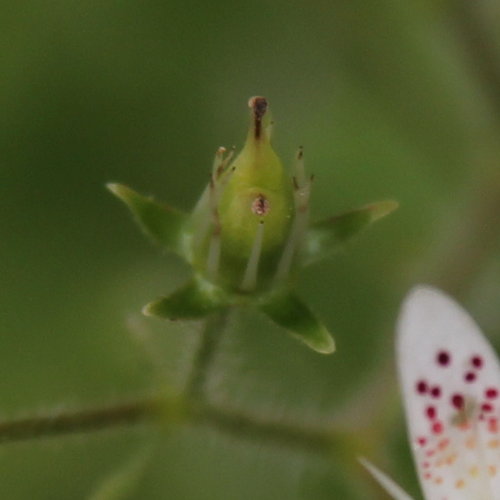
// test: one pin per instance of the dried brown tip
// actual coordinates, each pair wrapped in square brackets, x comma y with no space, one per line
[258,105]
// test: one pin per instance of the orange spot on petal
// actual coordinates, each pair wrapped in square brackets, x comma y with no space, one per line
[443,444]
[470,443]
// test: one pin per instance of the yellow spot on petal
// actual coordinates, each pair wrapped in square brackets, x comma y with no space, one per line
[438,480]
[451,459]
[460,484]
[492,470]
[474,471]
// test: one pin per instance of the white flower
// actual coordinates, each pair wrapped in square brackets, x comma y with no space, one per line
[450,380]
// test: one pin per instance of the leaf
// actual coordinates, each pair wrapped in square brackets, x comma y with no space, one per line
[195,300]
[327,235]
[161,223]
[288,311]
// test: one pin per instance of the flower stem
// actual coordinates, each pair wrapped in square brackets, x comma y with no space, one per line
[210,336]
[319,439]
[78,421]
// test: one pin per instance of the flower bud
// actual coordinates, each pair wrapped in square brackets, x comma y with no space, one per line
[247,235]
[243,222]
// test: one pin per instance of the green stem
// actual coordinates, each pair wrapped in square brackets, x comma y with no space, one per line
[242,425]
[205,354]
[315,439]
[79,421]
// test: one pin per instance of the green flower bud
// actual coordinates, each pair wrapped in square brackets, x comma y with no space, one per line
[244,221]
[247,235]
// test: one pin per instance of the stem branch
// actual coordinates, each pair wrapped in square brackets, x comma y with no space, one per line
[316,439]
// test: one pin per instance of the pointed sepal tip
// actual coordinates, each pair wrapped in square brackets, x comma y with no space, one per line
[195,300]
[326,236]
[161,223]
[290,312]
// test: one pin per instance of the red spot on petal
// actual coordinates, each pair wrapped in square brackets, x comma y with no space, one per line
[477,361]
[470,377]
[430,411]
[486,407]
[437,428]
[436,391]
[457,400]
[443,358]
[421,441]
[491,393]
[421,386]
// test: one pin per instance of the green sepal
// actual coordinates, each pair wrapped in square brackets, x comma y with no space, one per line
[289,312]
[326,236]
[161,223]
[195,300]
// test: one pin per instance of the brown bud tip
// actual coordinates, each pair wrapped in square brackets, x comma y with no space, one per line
[258,105]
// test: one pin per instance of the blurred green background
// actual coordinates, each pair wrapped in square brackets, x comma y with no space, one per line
[390,99]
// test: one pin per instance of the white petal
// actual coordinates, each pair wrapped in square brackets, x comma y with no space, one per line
[394,490]
[450,378]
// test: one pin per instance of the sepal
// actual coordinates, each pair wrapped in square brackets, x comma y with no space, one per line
[289,312]
[195,300]
[161,223]
[326,236]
